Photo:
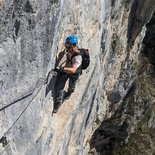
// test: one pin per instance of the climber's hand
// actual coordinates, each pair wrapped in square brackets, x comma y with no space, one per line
[58,69]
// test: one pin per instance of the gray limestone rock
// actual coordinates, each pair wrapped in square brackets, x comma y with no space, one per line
[120,37]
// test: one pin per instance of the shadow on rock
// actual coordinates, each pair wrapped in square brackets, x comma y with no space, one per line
[50,81]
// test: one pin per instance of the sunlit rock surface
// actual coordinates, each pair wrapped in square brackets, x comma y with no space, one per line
[112,109]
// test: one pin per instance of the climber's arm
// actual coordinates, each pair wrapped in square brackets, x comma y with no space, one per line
[59,58]
[76,62]
[70,70]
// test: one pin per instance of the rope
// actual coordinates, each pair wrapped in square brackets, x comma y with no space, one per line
[20,115]
[63,63]
[27,94]
[31,92]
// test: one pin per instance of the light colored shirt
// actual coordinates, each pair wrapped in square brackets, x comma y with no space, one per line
[63,56]
[76,60]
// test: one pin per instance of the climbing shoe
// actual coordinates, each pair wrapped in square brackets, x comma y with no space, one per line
[56,106]
[67,95]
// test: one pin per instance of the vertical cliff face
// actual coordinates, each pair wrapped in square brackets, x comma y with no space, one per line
[27,31]
[112,109]
[128,127]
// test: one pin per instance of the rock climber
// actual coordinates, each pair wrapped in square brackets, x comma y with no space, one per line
[71,70]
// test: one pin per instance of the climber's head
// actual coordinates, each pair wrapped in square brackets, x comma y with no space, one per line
[71,43]
[73,40]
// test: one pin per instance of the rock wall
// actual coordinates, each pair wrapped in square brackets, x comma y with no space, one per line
[26,37]
[128,127]
[112,109]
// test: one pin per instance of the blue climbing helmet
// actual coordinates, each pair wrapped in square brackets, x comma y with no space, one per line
[72,40]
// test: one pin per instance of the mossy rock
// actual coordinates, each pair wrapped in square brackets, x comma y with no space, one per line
[140,141]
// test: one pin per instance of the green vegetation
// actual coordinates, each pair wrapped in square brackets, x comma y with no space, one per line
[140,142]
